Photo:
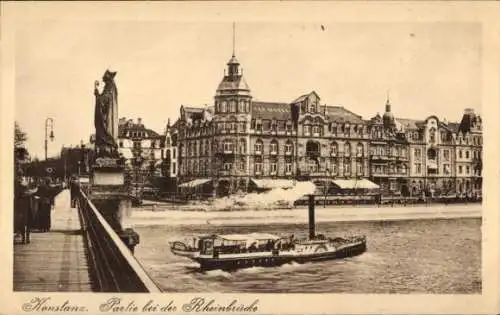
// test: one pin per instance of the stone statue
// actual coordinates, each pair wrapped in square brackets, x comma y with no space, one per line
[106,117]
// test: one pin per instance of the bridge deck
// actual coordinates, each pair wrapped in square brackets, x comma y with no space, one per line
[54,261]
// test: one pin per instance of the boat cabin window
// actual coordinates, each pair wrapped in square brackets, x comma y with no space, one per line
[207,247]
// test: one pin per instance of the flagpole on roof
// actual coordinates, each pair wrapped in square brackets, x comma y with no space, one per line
[234,38]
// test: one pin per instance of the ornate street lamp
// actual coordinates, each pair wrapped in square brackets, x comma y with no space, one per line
[49,122]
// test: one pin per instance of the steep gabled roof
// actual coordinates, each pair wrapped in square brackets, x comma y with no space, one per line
[342,115]
[407,123]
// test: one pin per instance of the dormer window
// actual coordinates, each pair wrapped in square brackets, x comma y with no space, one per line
[313,107]
[307,130]
[258,126]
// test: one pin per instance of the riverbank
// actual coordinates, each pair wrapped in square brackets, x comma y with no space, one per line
[300,215]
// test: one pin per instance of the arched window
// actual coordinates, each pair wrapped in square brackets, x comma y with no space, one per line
[359,150]
[207,147]
[243,146]
[273,147]
[334,149]
[334,167]
[313,107]
[432,134]
[241,106]
[347,149]
[258,147]
[232,106]
[223,106]
[288,148]
[200,150]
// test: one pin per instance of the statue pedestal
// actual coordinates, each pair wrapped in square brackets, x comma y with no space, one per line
[109,194]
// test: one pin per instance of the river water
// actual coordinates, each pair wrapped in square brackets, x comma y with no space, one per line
[407,256]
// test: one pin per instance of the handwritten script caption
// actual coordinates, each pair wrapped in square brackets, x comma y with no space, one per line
[121,305]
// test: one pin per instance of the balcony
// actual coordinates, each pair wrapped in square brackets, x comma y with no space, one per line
[378,157]
[273,153]
[258,152]
[288,153]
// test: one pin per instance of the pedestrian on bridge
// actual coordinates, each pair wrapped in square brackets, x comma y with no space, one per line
[74,187]
[24,209]
[46,203]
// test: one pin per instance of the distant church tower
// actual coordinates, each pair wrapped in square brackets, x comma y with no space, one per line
[233,94]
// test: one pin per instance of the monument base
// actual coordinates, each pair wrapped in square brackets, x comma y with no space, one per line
[110,196]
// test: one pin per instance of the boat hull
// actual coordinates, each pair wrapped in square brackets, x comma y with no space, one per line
[231,264]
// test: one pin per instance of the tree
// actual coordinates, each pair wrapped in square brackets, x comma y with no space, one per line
[20,136]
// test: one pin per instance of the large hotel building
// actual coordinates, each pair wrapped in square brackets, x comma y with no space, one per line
[240,144]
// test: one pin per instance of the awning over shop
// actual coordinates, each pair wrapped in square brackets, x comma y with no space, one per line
[355,184]
[127,153]
[195,182]
[273,183]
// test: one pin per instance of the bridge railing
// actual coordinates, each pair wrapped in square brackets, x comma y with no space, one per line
[113,267]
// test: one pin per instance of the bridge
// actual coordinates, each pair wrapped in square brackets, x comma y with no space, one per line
[81,253]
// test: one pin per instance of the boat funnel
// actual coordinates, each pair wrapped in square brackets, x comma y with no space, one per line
[312,233]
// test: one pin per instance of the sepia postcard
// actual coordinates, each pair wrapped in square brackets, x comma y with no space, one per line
[250,157]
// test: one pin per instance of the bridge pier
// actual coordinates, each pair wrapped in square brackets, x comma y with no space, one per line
[109,194]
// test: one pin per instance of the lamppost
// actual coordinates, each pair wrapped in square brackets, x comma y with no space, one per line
[51,120]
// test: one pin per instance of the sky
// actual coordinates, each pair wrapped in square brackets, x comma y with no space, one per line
[426,68]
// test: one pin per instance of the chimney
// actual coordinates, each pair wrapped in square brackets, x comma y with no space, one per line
[122,121]
[139,121]
[469,111]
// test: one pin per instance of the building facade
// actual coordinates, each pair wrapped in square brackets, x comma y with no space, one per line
[234,144]
[144,153]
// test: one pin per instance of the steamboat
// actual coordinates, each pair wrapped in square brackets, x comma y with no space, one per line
[237,251]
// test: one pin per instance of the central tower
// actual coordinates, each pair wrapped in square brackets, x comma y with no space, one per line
[233,94]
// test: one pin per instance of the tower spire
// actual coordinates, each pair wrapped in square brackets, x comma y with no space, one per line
[234,38]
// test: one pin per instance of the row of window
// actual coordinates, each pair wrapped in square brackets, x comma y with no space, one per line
[139,144]
[233,106]
[193,167]
[392,169]
[388,151]
[476,154]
